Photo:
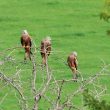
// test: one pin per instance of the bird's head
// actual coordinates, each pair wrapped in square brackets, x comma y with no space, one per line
[48,38]
[25,32]
[74,53]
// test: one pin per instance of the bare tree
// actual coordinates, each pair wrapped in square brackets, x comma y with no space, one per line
[50,85]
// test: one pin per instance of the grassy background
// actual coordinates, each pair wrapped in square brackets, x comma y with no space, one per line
[72,25]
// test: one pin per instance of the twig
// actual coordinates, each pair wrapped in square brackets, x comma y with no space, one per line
[3,98]
[34,72]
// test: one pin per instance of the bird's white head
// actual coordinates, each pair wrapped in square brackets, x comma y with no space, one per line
[25,32]
[48,38]
[74,53]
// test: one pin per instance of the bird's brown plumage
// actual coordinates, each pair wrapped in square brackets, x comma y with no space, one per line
[72,63]
[45,49]
[26,44]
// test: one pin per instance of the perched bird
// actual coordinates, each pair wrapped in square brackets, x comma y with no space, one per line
[26,44]
[45,49]
[73,63]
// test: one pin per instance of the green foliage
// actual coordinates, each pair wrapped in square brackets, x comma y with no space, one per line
[93,103]
[105,14]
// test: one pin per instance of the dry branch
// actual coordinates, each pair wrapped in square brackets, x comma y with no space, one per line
[34,72]
[15,86]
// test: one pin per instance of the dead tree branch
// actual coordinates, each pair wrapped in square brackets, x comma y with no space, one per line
[34,72]
[15,86]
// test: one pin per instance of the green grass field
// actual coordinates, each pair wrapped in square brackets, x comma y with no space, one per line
[72,25]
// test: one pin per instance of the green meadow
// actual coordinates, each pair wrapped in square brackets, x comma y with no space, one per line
[74,25]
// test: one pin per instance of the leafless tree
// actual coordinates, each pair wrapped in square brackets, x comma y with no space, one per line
[50,85]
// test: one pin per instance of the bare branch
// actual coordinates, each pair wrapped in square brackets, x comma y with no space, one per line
[34,72]
[10,82]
